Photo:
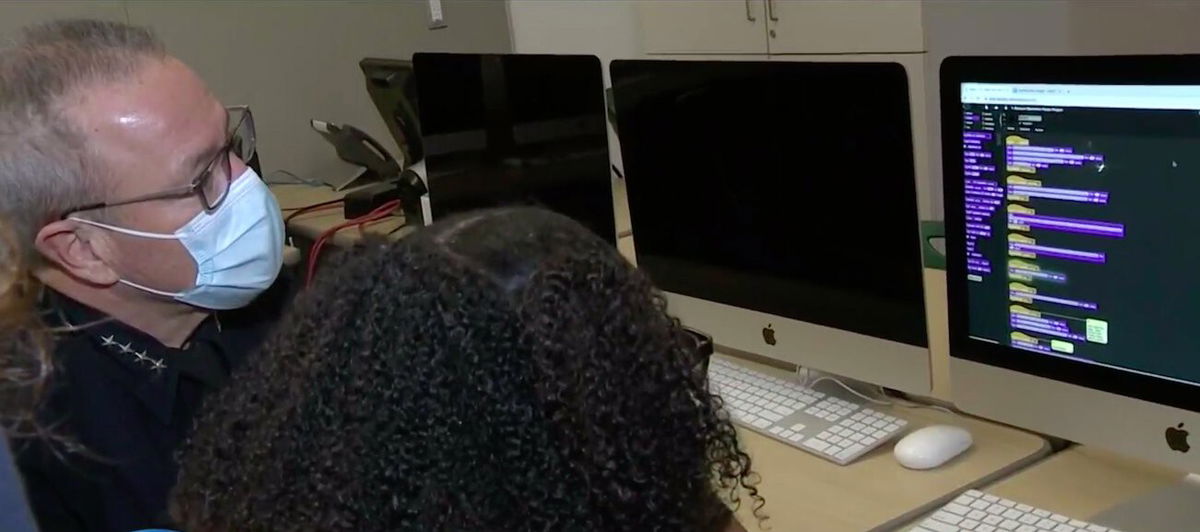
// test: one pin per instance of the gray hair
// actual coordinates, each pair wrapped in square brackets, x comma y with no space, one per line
[45,167]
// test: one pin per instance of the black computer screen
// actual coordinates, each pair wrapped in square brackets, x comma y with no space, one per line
[516,130]
[1078,206]
[782,187]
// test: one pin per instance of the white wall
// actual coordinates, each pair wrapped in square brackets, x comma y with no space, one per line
[604,28]
[292,61]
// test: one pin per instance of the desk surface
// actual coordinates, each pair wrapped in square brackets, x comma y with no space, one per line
[1083,481]
[311,225]
[804,492]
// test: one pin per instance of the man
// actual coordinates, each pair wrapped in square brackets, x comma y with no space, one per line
[127,176]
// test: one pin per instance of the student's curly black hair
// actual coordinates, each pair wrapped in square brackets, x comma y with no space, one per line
[502,371]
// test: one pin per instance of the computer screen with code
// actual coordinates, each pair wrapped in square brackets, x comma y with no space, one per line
[1082,204]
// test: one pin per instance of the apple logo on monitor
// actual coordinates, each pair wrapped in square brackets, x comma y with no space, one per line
[768,335]
[1177,439]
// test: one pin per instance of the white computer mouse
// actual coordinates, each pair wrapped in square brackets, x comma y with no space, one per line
[932,446]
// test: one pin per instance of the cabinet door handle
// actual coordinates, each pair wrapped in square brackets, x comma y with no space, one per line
[750,11]
[771,11]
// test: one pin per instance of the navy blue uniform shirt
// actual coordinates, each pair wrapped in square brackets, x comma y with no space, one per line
[129,401]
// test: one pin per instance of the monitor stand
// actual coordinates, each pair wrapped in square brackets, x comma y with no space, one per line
[1169,509]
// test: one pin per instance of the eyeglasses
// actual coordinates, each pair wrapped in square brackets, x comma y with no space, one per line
[212,185]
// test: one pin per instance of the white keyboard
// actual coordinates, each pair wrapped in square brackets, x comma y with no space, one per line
[832,424]
[976,511]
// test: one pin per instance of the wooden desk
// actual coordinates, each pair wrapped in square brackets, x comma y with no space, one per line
[311,225]
[1082,481]
[804,492]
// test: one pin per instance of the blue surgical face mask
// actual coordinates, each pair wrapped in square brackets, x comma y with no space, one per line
[238,247]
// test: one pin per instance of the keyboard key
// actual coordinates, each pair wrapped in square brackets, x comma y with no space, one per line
[881,434]
[824,435]
[1009,524]
[1029,519]
[858,417]
[980,504]
[947,517]
[879,424]
[1059,518]
[985,528]
[833,450]
[1007,503]
[1047,524]
[892,427]
[798,427]
[787,433]
[1041,513]
[976,514]
[1077,523]
[996,509]
[771,416]
[816,445]
[858,426]
[836,440]
[856,448]
[990,498]
[783,410]
[856,436]
[796,437]
[1012,513]
[1027,528]
[1065,528]
[761,423]
[957,509]
[776,430]
[935,526]
[869,440]
[1097,528]
[845,454]
[968,524]
[993,520]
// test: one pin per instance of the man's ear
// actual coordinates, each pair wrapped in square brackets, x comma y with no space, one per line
[78,250]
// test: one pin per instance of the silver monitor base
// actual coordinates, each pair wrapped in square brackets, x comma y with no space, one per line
[1171,509]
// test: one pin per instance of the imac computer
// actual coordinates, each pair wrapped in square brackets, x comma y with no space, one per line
[775,204]
[508,129]
[1072,189]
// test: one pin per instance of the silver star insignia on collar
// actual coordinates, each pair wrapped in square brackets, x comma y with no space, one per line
[106,341]
[157,365]
[141,356]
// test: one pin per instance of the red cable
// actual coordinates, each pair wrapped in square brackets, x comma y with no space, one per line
[381,212]
[323,206]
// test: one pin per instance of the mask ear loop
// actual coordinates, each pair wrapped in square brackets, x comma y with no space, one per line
[130,232]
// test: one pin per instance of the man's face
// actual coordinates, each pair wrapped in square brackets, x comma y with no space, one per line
[155,132]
